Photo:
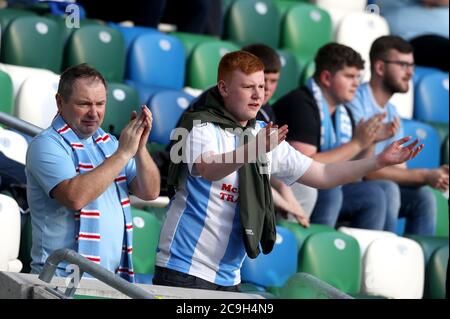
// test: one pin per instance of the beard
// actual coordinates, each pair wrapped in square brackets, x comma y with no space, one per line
[394,86]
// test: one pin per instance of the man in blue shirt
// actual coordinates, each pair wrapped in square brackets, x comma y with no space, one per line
[392,66]
[79,176]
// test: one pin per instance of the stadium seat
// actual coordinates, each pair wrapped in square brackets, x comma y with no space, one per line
[101,47]
[19,74]
[35,101]
[431,98]
[167,107]
[404,102]
[8,14]
[442,222]
[338,12]
[253,21]
[131,33]
[334,258]
[421,71]
[275,268]
[365,236]
[306,286]
[393,268]
[202,67]
[155,62]
[358,31]
[191,40]
[9,234]
[436,274]
[290,74]
[429,244]
[33,42]
[13,145]
[146,229]
[67,30]
[6,93]
[301,233]
[307,72]
[430,157]
[304,30]
[121,101]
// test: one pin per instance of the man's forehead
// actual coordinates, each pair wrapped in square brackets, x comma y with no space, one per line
[395,54]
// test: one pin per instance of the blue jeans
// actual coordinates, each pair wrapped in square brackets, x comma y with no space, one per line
[418,205]
[362,203]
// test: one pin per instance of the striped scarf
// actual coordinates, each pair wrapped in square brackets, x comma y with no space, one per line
[88,217]
[331,137]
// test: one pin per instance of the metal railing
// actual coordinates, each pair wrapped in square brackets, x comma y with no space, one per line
[19,125]
[96,271]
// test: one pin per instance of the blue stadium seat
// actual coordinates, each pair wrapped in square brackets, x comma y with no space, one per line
[155,62]
[167,107]
[421,71]
[131,33]
[431,98]
[430,156]
[275,268]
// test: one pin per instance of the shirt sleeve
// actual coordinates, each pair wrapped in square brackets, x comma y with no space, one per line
[49,162]
[288,164]
[203,138]
[300,113]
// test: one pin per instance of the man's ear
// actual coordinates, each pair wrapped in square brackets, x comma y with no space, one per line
[325,78]
[222,88]
[58,99]
[378,67]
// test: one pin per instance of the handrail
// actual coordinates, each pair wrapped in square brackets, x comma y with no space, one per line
[19,125]
[94,270]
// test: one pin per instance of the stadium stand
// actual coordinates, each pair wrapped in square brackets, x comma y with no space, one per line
[431,98]
[289,75]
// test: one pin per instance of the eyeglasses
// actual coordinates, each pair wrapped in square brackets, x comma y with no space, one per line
[404,65]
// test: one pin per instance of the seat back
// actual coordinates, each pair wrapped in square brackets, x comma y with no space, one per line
[344,8]
[121,101]
[6,93]
[9,234]
[436,274]
[393,267]
[191,40]
[430,157]
[8,14]
[431,98]
[146,229]
[131,33]
[305,29]
[445,151]
[157,60]
[35,102]
[13,145]
[365,236]
[275,268]
[33,42]
[301,233]
[442,223]
[360,38]
[334,258]
[253,21]
[290,74]
[101,47]
[204,61]
[167,108]
[19,74]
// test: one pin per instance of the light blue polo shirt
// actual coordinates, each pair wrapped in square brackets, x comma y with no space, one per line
[49,161]
[364,106]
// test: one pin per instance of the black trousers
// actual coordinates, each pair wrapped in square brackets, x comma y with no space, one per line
[169,277]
